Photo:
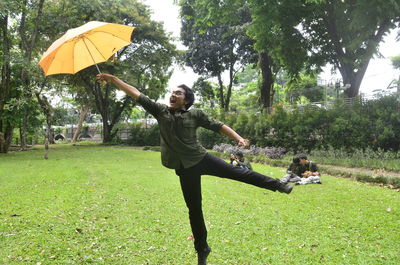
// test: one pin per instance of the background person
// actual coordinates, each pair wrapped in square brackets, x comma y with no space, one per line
[302,171]
[309,169]
[241,161]
[293,172]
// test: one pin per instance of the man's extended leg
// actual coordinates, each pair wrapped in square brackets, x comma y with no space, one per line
[212,165]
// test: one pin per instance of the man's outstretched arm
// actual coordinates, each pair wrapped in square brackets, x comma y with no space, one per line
[128,89]
[228,131]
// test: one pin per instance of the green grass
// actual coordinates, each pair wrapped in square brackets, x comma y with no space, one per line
[111,205]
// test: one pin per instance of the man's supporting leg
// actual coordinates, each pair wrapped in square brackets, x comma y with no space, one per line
[191,188]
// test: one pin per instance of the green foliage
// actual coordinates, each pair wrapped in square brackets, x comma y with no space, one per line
[372,124]
[144,136]
[209,138]
[206,92]
[145,63]
[216,41]
[305,86]
[113,205]
[396,61]
[313,33]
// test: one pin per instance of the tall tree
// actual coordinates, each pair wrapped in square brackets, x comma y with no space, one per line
[145,62]
[345,34]
[31,19]
[6,127]
[217,42]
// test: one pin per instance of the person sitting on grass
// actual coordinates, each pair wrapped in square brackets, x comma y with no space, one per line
[293,172]
[302,171]
[239,160]
[181,151]
[309,171]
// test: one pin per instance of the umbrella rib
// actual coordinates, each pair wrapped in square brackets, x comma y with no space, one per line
[110,33]
[94,47]
[91,53]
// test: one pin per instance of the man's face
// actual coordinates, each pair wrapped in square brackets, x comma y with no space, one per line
[303,161]
[177,99]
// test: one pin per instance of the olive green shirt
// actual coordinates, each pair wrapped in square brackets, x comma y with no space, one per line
[179,144]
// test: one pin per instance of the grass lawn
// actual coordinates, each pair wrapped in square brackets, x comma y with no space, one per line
[112,205]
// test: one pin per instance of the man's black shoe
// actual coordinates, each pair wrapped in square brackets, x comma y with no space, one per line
[286,189]
[202,256]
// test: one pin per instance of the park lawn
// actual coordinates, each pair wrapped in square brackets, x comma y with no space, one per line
[114,205]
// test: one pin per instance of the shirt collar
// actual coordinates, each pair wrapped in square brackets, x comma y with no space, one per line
[180,111]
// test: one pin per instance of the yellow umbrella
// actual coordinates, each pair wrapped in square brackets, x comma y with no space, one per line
[81,47]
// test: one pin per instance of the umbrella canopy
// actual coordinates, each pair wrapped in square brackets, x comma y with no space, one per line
[81,47]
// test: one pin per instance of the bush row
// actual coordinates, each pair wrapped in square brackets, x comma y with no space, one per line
[270,152]
[369,125]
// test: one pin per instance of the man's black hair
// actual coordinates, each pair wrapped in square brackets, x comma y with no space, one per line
[296,160]
[302,156]
[239,154]
[189,95]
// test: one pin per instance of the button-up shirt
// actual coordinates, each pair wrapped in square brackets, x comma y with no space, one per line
[179,144]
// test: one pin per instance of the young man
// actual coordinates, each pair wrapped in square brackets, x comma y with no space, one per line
[309,171]
[302,171]
[293,172]
[181,151]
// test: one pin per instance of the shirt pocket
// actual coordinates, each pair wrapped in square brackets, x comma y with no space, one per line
[189,130]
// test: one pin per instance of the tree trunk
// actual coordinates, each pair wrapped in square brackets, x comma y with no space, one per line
[82,115]
[6,129]
[46,141]
[229,92]
[221,92]
[48,112]
[107,137]
[267,80]
[6,135]
[27,45]
[23,130]
[353,77]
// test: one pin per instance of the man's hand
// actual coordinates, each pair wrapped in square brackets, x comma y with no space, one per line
[105,77]
[128,89]
[243,142]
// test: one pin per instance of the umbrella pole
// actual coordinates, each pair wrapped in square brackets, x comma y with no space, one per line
[91,55]
[97,67]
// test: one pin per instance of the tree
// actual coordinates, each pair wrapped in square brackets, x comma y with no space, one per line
[6,127]
[31,18]
[345,34]
[144,63]
[305,86]
[206,91]
[217,42]
[36,24]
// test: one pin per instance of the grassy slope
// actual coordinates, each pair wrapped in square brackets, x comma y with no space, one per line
[105,205]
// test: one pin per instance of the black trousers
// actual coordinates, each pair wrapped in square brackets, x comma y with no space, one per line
[190,179]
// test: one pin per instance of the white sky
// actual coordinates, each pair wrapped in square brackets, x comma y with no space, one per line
[378,76]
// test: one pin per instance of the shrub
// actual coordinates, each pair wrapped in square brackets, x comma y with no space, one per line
[144,137]
[270,152]
[209,138]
